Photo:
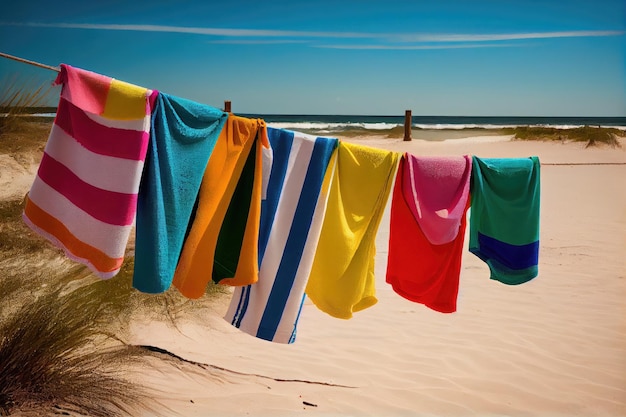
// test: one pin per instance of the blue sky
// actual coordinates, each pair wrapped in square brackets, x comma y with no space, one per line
[463,57]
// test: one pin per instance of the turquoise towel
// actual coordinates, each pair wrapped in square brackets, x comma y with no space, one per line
[504,218]
[182,137]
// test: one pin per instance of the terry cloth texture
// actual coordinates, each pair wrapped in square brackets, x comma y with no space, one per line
[427,229]
[223,173]
[291,220]
[504,219]
[182,138]
[236,253]
[84,196]
[342,278]
[437,190]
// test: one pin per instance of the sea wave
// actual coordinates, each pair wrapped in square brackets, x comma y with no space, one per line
[36,115]
[333,126]
[448,126]
[395,125]
[338,127]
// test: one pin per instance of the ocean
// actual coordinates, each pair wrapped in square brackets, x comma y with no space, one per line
[423,127]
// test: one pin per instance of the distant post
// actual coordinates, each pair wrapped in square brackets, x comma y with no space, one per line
[227,106]
[408,123]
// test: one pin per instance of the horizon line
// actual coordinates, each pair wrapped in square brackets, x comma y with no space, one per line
[387,115]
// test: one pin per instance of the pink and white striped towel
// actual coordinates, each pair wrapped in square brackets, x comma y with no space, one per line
[84,196]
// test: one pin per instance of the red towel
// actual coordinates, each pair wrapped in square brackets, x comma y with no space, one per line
[417,269]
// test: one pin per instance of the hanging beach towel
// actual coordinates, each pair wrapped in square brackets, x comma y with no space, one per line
[291,220]
[84,196]
[236,252]
[504,219]
[182,138]
[240,140]
[342,278]
[427,229]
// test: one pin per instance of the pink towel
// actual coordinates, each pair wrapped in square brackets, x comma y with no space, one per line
[436,190]
[84,196]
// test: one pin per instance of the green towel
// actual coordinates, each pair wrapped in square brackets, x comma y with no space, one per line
[504,217]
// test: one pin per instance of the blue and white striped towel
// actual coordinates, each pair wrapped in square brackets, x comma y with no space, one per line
[291,221]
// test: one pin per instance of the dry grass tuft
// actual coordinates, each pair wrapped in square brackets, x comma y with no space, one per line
[396,132]
[124,303]
[15,237]
[17,97]
[62,343]
[63,330]
[55,352]
[592,135]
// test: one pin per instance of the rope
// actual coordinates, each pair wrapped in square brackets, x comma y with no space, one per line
[26,61]
[583,163]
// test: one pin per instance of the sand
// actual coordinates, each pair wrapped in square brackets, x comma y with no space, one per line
[555,346]
[15,178]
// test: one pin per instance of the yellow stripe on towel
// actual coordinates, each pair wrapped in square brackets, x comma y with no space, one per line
[125,101]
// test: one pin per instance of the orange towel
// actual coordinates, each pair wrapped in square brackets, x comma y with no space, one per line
[222,174]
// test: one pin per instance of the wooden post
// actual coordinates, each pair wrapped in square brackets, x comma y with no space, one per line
[408,123]
[227,106]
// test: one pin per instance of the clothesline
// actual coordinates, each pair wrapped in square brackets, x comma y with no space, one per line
[581,163]
[27,61]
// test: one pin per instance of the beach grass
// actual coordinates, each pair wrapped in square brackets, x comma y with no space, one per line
[17,96]
[590,134]
[64,331]
[20,136]
[15,236]
[55,355]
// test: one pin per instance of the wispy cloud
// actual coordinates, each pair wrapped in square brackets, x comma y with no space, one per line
[503,37]
[417,47]
[203,31]
[387,40]
[258,41]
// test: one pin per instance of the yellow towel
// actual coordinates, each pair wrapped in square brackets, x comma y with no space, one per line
[195,265]
[342,278]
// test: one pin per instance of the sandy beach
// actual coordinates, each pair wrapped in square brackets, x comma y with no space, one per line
[135,181]
[555,346]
